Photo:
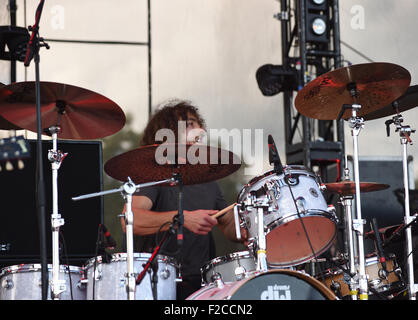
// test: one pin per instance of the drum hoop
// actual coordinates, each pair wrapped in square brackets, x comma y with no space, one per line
[121,257]
[315,283]
[294,169]
[35,267]
[227,258]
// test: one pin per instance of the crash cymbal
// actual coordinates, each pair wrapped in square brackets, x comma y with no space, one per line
[408,101]
[195,163]
[349,187]
[377,85]
[80,113]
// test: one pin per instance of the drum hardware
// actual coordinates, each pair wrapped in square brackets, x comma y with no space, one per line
[125,167]
[283,233]
[59,110]
[127,190]
[331,96]
[405,132]
[346,190]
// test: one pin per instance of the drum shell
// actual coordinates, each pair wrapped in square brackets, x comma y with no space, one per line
[24,282]
[227,267]
[107,281]
[270,285]
[286,242]
[392,284]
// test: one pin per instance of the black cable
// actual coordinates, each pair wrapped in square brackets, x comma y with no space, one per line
[356,51]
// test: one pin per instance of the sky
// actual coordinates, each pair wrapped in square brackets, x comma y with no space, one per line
[207,51]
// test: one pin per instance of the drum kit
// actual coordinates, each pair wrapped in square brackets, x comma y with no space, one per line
[284,212]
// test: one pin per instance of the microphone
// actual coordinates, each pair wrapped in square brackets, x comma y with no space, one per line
[274,157]
[110,242]
[382,272]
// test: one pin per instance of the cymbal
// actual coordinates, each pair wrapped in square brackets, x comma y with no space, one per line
[408,101]
[80,113]
[196,163]
[349,187]
[377,85]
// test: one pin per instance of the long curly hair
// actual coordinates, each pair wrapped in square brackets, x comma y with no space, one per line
[167,117]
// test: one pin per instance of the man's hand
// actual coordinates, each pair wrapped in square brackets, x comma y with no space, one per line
[199,221]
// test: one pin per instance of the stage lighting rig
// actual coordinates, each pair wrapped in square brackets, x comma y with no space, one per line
[16,40]
[317,21]
[273,79]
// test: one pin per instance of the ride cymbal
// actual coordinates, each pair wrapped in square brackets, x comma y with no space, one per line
[376,85]
[196,163]
[80,113]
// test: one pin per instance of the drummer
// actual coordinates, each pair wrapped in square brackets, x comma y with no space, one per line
[154,207]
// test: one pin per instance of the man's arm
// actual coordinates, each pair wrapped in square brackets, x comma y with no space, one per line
[148,222]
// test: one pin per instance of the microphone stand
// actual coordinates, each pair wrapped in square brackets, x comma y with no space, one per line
[177,219]
[33,52]
[404,133]
[127,190]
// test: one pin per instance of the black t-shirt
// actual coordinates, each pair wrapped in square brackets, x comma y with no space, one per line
[197,249]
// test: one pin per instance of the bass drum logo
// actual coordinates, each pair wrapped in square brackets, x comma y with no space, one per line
[276,292]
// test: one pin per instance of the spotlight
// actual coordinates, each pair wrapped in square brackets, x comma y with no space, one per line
[319,26]
[317,21]
[273,79]
[16,39]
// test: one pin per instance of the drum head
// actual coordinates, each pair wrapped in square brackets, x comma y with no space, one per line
[282,285]
[289,245]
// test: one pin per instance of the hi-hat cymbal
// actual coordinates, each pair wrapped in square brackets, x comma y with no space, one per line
[80,113]
[377,85]
[349,187]
[196,163]
[408,101]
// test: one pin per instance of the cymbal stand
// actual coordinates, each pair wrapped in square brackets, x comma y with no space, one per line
[127,190]
[405,134]
[55,157]
[346,201]
[356,124]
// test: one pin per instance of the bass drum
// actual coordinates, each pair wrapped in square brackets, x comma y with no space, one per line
[296,209]
[270,285]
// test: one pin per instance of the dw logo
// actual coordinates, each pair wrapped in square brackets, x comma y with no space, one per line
[276,292]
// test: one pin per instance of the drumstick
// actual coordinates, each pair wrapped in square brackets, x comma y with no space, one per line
[223,211]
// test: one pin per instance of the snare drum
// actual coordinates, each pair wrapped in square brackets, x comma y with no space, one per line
[232,267]
[290,213]
[24,282]
[270,285]
[107,281]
